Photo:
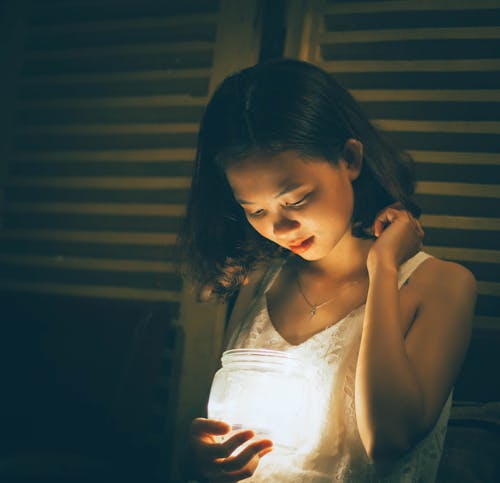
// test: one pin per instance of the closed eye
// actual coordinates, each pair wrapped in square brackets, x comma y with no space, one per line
[256,214]
[294,204]
[298,202]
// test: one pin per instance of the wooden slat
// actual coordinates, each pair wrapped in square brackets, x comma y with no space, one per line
[488,288]
[103,182]
[465,254]
[471,127]
[458,189]
[442,65]
[121,24]
[405,5]
[119,209]
[105,129]
[91,77]
[130,251]
[97,291]
[114,155]
[55,248]
[91,236]
[488,323]
[438,95]
[87,263]
[462,222]
[63,168]
[409,34]
[109,102]
[131,49]
[449,157]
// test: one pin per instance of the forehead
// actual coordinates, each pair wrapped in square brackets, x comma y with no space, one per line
[270,172]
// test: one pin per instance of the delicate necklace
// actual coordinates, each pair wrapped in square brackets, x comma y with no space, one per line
[315,307]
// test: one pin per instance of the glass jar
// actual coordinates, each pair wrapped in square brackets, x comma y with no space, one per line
[270,392]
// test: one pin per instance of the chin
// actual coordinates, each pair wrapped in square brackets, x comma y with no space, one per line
[312,255]
[318,254]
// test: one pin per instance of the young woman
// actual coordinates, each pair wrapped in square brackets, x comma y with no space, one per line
[300,205]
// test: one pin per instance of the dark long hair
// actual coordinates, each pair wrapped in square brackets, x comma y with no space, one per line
[269,108]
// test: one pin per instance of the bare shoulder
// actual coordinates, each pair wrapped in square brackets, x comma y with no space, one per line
[445,277]
[253,279]
[246,294]
[250,285]
[446,287]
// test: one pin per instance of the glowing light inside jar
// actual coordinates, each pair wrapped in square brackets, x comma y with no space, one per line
[270,392]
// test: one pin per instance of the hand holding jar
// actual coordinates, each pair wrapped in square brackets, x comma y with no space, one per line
[234,459]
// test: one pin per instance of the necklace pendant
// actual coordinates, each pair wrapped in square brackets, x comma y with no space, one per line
[314,308]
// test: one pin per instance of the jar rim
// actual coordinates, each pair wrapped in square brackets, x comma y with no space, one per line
[272,357]
[261,352]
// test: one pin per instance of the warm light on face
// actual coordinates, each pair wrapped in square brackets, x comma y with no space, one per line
[288,198]
[269,392]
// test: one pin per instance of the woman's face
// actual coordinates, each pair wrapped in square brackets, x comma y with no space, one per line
[302,204]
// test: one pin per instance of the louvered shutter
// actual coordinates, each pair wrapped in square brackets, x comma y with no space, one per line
[110,97]
[428,74]
[109,103]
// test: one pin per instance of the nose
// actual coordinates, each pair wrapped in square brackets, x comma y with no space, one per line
[283,225]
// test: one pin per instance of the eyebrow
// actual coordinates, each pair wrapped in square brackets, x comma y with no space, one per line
[287,189]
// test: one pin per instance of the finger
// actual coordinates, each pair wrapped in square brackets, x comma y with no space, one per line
[223,474]
[253,450]
[236,441]
[226,449]
[203,427]
[265,451]
[378,226]
[397,206]
[383,219]
[417,226]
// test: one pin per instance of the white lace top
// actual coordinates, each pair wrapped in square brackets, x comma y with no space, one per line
[339,454]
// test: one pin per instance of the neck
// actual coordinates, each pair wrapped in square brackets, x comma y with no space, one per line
[346,262]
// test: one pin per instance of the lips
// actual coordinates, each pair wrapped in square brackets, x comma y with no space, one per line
[302,246]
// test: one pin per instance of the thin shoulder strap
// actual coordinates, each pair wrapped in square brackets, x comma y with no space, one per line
[263,286]
[408,267]
[271,275]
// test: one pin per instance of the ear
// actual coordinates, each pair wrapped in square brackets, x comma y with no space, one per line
[353,157]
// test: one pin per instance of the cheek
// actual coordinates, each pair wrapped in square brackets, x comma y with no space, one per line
[342,200]
[259,226]
[335,211]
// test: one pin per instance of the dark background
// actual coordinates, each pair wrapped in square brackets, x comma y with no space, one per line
[89,383]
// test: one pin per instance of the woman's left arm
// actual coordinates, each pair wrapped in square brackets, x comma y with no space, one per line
[403,380]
